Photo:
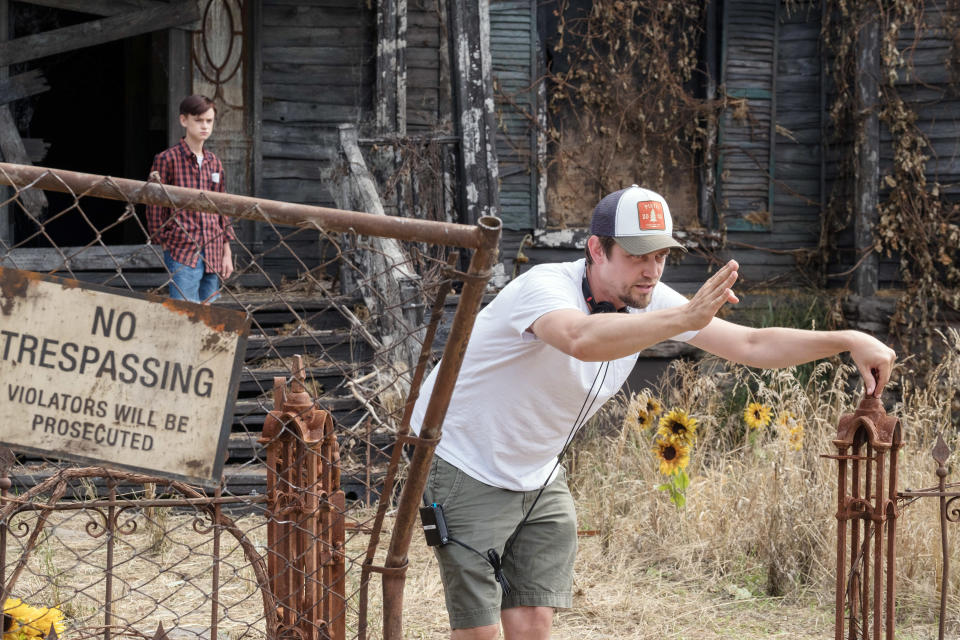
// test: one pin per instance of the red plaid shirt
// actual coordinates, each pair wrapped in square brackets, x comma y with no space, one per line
[185,233]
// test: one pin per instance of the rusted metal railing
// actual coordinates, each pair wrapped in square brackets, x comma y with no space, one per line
[115,520]
[248,208]
[304,600]
[867,443]
[949,496]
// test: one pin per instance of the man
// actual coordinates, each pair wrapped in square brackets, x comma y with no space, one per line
[196,244]
[543,357]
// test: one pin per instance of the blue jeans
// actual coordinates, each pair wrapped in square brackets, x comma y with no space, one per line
[191,283]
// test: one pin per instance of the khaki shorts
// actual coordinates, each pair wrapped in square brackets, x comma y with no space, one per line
[539,565]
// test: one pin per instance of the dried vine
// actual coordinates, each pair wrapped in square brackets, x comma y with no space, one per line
[623,102]
[918,222]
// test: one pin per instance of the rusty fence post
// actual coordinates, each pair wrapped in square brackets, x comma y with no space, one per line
[305,527]
[867,444]
[475,282]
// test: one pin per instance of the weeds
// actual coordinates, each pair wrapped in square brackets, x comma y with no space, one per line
[760,508]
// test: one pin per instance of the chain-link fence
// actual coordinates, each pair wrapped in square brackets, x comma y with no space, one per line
[347,312]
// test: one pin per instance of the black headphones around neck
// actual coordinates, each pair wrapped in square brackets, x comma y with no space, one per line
[597,307]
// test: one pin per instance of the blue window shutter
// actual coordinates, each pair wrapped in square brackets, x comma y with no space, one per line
[745,166]
[513,49]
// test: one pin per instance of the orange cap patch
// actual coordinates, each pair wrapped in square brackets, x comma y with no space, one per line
[651,216]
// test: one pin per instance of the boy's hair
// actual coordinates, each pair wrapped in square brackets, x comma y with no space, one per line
[196,105]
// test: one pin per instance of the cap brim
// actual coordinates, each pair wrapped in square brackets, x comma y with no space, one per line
[640,245]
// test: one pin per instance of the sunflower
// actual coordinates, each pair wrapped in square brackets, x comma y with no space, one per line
[673,454]
[757,415]
[654,408]
[21,621]
[642,412]
[677,425]
[639,420]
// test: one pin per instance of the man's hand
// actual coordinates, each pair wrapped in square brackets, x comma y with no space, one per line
[714,293]
[227,261]
[874,360]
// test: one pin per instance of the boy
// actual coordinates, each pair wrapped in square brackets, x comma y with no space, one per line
[196,244]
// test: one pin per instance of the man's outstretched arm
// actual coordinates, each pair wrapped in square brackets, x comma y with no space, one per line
[776,347]
[607,336]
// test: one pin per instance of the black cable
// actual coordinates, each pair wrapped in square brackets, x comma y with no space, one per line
[577,423]
[493,558]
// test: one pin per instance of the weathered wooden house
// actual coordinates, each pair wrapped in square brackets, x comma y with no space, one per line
[93,86]
[449,103]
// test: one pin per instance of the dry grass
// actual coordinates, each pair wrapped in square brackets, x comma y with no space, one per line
[750,556]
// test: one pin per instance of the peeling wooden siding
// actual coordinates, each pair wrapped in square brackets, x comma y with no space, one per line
[926,85]
[428,73]
[317,73]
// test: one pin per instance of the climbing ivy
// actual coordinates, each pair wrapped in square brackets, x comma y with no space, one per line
[626,83]
[918,223]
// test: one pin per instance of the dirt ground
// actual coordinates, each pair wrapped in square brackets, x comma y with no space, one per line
[648,604]
[616,595]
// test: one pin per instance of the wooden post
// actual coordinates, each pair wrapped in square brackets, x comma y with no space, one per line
[475,119]
[866,196]
[254,112]
[391,283]
[178,80]
[6,217]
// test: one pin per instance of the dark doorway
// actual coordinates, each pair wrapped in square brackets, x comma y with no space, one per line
[105,113]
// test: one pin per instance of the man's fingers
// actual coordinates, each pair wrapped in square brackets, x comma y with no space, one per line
[869,383]
[882,375]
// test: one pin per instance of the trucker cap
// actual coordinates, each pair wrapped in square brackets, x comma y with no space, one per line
[637,218]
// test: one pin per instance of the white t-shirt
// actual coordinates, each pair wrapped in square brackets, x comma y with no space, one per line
[516,398]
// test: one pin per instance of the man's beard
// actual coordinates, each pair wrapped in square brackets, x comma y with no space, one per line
[636,300]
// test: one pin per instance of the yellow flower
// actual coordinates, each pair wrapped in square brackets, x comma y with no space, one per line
[794,428]
[677,425]
[639,420]
[674,455]
[654,408]
[641,412]
[25,621]
[786,418]
[795,437]
[757,415]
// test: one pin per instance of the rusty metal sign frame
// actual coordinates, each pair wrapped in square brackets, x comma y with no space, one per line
[12,283]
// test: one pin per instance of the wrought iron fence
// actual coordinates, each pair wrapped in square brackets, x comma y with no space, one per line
[869,505]
[948,495]
[347,311]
